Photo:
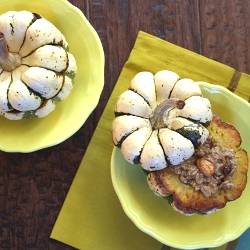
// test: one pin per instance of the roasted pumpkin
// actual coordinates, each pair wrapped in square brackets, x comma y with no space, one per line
[225,184]
[36,68]
[160,120]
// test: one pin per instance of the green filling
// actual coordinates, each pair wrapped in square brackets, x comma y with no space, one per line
[56,100]
[71,74]
[29,114]
[66,48]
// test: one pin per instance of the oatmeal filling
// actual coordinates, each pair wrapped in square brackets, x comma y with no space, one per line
[219,161]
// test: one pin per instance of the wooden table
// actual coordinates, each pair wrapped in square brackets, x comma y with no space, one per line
[33,186]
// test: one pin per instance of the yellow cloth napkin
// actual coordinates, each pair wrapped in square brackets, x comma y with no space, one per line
[91,216]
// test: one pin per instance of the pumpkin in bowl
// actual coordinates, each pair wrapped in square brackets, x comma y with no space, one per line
[214,175]
[153,124]
[190,156]
[36,68]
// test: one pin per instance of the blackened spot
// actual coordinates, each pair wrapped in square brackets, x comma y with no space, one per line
[37,15]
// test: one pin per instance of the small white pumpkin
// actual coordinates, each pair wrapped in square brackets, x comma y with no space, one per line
[36,68]
[160,120]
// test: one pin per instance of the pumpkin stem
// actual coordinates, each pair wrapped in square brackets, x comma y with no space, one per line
[8,61]
[157,117]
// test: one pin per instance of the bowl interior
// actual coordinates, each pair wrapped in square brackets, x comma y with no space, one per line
[154,216]
[230,108]
[69,115]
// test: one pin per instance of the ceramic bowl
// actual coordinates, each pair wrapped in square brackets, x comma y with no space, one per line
[29,135]
[154,216]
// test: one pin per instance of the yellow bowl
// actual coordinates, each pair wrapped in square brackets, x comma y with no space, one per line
[154,216]
[70,114]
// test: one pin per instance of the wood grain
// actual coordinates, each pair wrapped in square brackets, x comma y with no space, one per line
[33,186]
[225,32]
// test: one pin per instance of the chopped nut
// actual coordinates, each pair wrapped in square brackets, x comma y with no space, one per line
[206,191]
[206,167]
[226,185]
[199,178]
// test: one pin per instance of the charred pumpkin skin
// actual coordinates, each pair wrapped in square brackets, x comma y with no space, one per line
[184,198]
